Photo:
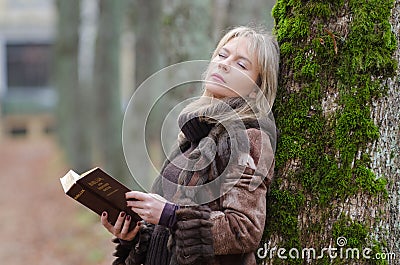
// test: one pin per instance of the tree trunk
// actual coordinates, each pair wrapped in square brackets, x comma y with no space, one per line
[220,17]
[385,152]
[71,104]
[106,98]
[148,31]
[186,30]
[338,114]
[243,13]
[145,18]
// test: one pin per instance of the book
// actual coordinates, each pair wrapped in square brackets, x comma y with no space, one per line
[99,192]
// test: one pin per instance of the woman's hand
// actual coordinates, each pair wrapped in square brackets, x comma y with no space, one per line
[148,206]
[121,227]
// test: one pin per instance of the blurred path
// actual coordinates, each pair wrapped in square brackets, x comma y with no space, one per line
[39,223]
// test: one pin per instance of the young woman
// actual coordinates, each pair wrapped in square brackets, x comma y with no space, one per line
[208,204]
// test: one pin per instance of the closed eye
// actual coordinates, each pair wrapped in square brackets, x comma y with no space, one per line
[242,65]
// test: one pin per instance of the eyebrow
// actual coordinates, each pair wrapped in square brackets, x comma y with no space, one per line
[239,56]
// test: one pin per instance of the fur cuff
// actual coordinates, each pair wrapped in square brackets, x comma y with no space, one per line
[193,236]
[135,252]
[121,252]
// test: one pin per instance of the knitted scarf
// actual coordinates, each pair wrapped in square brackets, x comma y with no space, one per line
[227,138]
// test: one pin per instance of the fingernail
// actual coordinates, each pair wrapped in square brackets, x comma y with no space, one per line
[104,214]
[122,214]
[128,217]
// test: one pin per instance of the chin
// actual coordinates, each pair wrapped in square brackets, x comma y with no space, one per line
[219,91]
[215,95]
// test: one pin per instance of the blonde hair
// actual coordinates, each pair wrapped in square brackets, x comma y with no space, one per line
[266,50]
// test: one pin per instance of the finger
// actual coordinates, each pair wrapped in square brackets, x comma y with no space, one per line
[105,223]
[157,197]
[141,196]
[125,228]
[136,204]
[134,232]
[119,222]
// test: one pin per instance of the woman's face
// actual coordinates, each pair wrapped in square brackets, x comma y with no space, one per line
[233,72]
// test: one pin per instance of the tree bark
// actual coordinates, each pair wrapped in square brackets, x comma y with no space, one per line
[385,152]
[71,104]
[243,13]
[338,153]
[106,98]
[148,31]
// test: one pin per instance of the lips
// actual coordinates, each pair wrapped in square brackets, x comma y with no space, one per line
[218,77]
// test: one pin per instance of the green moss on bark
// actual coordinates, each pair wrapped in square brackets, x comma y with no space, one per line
[325,146]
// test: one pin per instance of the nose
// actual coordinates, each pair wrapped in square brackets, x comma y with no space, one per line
[223,66]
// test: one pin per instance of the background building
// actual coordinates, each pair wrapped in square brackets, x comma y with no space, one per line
[26,37]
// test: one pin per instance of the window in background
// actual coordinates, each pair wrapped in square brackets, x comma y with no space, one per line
[28,66]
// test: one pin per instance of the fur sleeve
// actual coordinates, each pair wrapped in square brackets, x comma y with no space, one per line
[193,236]
[238,226]
[133,253]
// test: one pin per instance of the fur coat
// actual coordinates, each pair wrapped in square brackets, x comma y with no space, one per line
[227,229]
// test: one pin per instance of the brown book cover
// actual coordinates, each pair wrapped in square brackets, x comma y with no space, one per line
[99,192]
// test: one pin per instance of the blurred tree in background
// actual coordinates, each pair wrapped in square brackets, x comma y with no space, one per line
[72,107]
[106,95]
[147,23]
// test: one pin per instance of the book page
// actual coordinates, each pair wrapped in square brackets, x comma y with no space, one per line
[68,180]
